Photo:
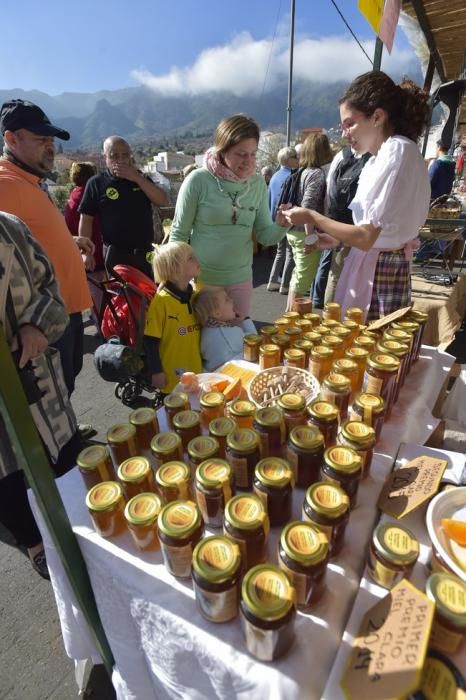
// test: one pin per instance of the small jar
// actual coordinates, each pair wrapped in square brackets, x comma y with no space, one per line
[332,311]
[355,314]
[105,503]
[440,679]
[361,438]
[292,317]
[366,342]
[135,475]
[212,405]
[324,416]
[410,327]
[187,424]
[95,465]
[369,409]
[266,333]
[166,447]
[350,369]
[320,362]
[421,318]
[242,413]
[326,506]
[180,529]
[283,343]
[145,421]
[294,410]
[313,318]
[313,336]
[216,575]
[400,351]
[303,325]
[242,452]
[401,336]
[219,428]
[448,592]
[294,358]
[380,377]
[281,324]
[269,425]
[335,343]
[292,333]
[393,552]
[303,553]
[305,453]
[246,522]
[342,466]
[141,514]
[267,612]
[269,356]
[273,484]
[173,404]
[213,487]
[200,449]
[345,335]
[329,324]
[251,345]
[172,480]
[353,328]
[358,355]
[336,389]
[306,346]
[121,439]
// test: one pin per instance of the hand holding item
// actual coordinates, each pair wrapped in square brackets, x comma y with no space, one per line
[159,380]
[125,171]
[298,216]
[84,244]
[89,262]
[279,215]
[33,341]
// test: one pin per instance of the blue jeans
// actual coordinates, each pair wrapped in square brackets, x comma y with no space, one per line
[320,282]
[283,259]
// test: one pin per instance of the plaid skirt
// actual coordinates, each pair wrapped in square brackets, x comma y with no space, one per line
[392,284]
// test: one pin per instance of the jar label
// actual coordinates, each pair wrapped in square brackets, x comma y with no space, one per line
[218,554]
[172,473]
[218,607]
[144,506]
[445,639]
[327,496]
[323,408]
[438,681]
[326,529]
[178,559]
[134,468]
[357,429]
[240,467]
[215,471]
[453,595]
[303,540]
[104,494]
[341,455]
[300,583]
[398,541]
[270,588]
[372,385]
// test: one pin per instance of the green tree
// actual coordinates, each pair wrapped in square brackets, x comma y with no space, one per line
[60,196]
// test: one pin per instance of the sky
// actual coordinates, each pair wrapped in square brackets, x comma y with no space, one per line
[181,46]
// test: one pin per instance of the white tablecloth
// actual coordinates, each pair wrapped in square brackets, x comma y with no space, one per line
[164,648]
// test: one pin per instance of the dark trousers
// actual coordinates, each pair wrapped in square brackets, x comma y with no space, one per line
[120,256]
[15,512]
[320,281]
[71,349]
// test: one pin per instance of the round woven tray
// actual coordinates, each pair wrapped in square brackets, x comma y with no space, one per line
[269,384]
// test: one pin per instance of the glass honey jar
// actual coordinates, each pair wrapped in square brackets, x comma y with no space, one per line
[358,355]
[269,356]
[121,439]
[281,324]
[421,318]
[327,507]
[145,421]
[292,333]
[370,409]
[292,317]
[342,466]
[266,333]
[242,413]
[294,410]
[335,343]
[187,424]
[141,514]
[273,484]
[305,345]
[166,447]
[448,592]
[401,336]
[293,357]
[328,325]
[283,343]
[201,448]
[219,428]
[135,475]
[324,416]
[336,389]
[242,452]
[312,336]
[366,342]
[321,360]
[216,578]
[349,368]
[303,553]
[380,377]
[393,552]
[354,313]
[361,438]
[213,488]
[173,404]
[304,325]
[353,328]
[305,453]
[105,503]
[313,318]
[251,345]
[400,351]
[246,522]
[345,334]
[212,405]
[180,529]
[332,311]
[172,480]
[321,331]
[95,465]
[269,426]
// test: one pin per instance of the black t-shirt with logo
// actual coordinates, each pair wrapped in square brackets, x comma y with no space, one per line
[125,211]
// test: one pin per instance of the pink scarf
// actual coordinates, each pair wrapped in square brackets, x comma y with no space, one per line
[218,169]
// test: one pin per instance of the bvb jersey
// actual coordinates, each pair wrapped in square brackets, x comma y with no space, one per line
[172,320]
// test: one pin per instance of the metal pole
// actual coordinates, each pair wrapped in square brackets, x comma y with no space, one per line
[377,54]
[290,76]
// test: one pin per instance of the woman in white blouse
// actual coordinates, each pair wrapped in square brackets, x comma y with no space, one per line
[392,199]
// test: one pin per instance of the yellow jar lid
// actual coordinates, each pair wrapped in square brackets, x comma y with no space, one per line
[372,401]
[216,559]
[323,410]
[418,316]
[246,512]
[350,324]
[172,473]
[214,472]
[313,318]
[327,499]
[121,432]
[104,496]
[212,399]
[241,408]
[365,341]
[176,400]
[306,437]
[395,543]
[252,339]
[280,339]
[186,419]
[292,331]
[267,593]
[357,352]
[321,352]
[142,416]
[303,344]
[203,447]
[409,326]
[448,593]
[134,469]
[343,459]
[270,417]
[269,348]
[353,311]
[393,347]
[332,341]
[383,361]
[179,519]
[292,315]
[166,442]
[304,324]
[92,456]
[243,439]
[358,432]
[294,354]
[304,543]
[268,330]
[220,427]
[282,321]
[292,402]
[332,306]
[312,336]
[337,382]
[345,364]
[274,472]
[398,334]
[143,509]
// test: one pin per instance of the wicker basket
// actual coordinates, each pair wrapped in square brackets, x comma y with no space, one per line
[445,207]
[280,380]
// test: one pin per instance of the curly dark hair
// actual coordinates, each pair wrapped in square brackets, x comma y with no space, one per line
[406,104]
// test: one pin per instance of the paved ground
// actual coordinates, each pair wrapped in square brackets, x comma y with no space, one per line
[33,665]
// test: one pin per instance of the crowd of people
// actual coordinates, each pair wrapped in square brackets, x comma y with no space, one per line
[347,233]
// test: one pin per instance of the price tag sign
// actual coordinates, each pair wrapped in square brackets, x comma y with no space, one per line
[386,320]
[412,485]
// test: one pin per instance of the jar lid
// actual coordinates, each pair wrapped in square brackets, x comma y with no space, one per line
[313,318]
[216,558]
[356,351]
[143,509]
[172,474]
[343,459]
[304,543]
[242,407]
[203,447]
[243,439]
[269,417]
[166,442]
[212,473]
[121,432]
[448,592]
[306,437]
[327,499]
[142,416]
[410,326]
[92,456]
[321,352]
[353,311]
[365,341]
[350,324]
[268,330]
[179,519]
[104,496]
[269,348]
[267,593]
[294,354]
[176,400]
[274,472]
[372,401]
[134,469]
[332,306]
[212,399]
[220,427]
[393,347]
[303,324]
[358,432]
[418,316]
[280,339]
[440,679]
[313,336]
[186,419]
[330,323]
[336,381]
[303,344]
[282,321]
[345,364]
[292,331]
[292,315]
[252,339]
[292,402]
[395,543]
[398,334]
[323,410]
[332,341]
[383,361]
[246,512]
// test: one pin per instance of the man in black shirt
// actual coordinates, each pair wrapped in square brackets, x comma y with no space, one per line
[122,197]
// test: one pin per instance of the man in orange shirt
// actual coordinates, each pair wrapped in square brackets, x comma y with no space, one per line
[28,157]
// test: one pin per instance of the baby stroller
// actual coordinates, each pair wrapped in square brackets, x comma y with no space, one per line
[121,317]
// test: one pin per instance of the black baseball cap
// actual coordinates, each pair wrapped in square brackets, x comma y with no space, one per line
[21,114]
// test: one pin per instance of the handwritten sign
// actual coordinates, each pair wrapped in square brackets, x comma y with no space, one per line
[386,320]
[410,486]
[391,14]
[372,11]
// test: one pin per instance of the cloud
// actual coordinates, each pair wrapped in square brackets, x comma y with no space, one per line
[243,65]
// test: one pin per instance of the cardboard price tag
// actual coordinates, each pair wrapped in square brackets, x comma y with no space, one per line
[386,320]
[390,648]
[410,486]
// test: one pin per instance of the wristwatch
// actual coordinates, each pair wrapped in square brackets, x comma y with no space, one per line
[311,238]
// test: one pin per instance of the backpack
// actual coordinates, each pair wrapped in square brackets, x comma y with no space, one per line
[344,184]
[290,190]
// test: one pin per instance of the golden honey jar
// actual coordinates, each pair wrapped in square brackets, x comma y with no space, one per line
[273,484]
[327,507]
[336,389]
[393,552]
[219,428]
[355,314]
[141,514]
[342,466]
[448,593]
[200,449]
[246,522]
[145,421]
[121,439]
[166,447]
[243,453]
[242,413]
[294,410]
[332,311]
[213,487]
[305,345]
[180,529]
[320,361]
[95,465]
[173,404]
[251,345]
[370,409]
[324,415]
[293,357]
[172,480]
[305,452]
[187,424]
[269,356]
[269,426]
[212,405]
[361,438]
[216,578]
[266,333]
[105,503]
[135,475]
[303,554]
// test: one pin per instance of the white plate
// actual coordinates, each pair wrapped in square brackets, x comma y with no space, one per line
[448,504]
[203,377]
